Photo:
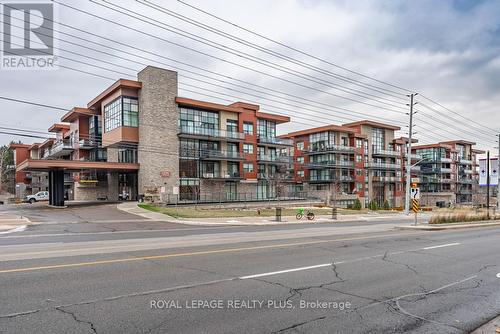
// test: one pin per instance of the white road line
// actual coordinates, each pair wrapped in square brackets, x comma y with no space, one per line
[17,229]
[440,246]
[498,275]
[286,271]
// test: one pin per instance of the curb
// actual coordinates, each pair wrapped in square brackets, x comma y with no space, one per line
[447,227]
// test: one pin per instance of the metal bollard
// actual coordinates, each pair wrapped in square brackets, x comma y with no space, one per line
[278,214]
[334,213]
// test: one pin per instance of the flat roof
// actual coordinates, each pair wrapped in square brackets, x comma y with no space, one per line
[14,146]
[121,83]
[460,141]
[404,140]
[57,127]
[76,112]
[331,127]
[374,124]
[46,143]
[206,105]
[437,145]
[74,165]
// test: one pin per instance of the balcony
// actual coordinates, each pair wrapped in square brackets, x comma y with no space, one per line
[415,169]
[330,164]
[466,181]
[386,179]
[197,132]
[465,161]
[59,149]
[221,176]
[385,153]
[274,158]
[275,176]
[464,191]
[445,160]
[445,170]
[87,144]
[275,141]
[382,165]
[468,171]
[331,149]
[330,178]
[221,155]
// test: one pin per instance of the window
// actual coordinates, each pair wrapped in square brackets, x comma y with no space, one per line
[300,160]
[248,128]
[124,111]
[359,158]
[248,167]
[300,145]
[248,148]
[198,121]
[127,155]
[378,138]
[321,140]
[266,129]
[232,125]
[300,173]
[113,115]
[359,143]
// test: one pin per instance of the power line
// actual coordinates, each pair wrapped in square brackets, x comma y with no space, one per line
[293,48]
[218,58]
[265,50]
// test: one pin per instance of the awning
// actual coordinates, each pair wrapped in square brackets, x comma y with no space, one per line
[40,165]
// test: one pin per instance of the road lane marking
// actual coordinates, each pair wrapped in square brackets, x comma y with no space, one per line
[17,229]
[440,246]
[217,251]
[287,271]
[498,275]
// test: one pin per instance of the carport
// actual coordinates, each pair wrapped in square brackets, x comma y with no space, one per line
[56,169]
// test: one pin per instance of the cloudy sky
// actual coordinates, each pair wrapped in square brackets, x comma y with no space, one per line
[444,50]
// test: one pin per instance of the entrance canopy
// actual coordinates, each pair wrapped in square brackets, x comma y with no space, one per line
[31,165]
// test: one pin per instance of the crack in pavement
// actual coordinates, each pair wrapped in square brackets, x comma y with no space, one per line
[72,314]
[384,258]
[300,324]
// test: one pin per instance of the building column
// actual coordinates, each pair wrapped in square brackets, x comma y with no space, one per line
[56,187]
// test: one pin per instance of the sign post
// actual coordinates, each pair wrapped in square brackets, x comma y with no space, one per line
[415,202]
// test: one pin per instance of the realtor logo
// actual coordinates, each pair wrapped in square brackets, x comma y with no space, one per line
[28,36]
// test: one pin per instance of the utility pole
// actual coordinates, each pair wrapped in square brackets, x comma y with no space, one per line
[498,167]
[408,156]
[488,184]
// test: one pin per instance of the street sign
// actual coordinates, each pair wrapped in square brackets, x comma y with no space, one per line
[415,193]
[415,205]
[415,180]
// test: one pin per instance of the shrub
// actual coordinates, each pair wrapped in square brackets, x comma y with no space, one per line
[457,218]
[373,205]
[387,206]
[357,204]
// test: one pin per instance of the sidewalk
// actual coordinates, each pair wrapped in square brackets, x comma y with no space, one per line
[131,207]
[452,226]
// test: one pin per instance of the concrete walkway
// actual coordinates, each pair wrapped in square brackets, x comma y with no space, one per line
[132,208]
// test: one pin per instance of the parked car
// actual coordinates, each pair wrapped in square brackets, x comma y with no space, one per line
[124,196]
[38,197]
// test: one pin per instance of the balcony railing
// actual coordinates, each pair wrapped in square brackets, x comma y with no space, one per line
[388,179]
[465,161]
[445,160]
[468,171]
[382,165]
[275,176]
[207,132]
[275,141]
[274,158]
[331,178]
[330,164]
[466,181]
[387,153]
[219,175]
[221,155]
[60,148]
[331,148]
[87,144]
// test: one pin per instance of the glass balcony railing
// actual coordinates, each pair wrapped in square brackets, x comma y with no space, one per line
[387,153]
[207,132]
[330,178]
[219,175]
[275,141]
[464,161]
[382,165]
[388,179]
[331,148]
[87,144]
[330,164]
[221,155]
[274,158]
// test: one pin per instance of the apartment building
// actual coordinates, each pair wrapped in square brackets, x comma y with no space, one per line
[448,172]
[139,138]
[360,160]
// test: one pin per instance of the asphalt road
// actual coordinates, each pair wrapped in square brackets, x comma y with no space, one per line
[313,279]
